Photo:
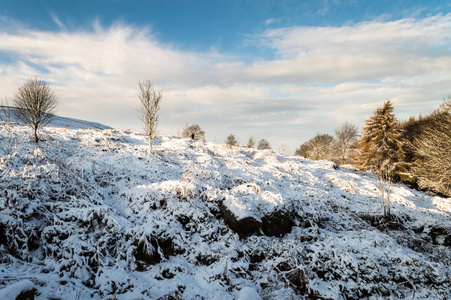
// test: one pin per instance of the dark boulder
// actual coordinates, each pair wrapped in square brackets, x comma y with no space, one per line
[277,224]
[244,227]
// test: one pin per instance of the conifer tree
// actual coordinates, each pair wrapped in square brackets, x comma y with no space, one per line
[381,149]
[251,143]
[231,140]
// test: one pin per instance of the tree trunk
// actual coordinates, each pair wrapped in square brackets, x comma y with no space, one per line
[36,139]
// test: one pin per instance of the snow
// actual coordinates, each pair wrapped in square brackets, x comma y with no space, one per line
[75,208]
[15,289]
[248,293]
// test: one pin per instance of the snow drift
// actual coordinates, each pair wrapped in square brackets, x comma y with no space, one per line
[93,214]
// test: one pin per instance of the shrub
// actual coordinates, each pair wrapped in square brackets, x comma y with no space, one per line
[193,132]
[263,144]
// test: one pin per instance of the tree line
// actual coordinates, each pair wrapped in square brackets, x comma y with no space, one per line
[416,151]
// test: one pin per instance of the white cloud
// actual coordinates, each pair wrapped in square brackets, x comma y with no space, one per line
[364,51]
[322,77]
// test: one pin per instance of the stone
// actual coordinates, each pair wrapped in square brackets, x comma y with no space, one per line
[277,224]
[244,227]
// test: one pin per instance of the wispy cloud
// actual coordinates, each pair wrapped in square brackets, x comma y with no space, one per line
[57,21]
[322,76]
[272,21]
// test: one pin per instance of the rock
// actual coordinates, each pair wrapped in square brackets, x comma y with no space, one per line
[26,295]
[277,224]
[244,227]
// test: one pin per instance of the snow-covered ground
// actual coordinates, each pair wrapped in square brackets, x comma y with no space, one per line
[93,214]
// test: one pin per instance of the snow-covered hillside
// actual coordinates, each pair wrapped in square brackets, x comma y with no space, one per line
[56,121]
[92,214]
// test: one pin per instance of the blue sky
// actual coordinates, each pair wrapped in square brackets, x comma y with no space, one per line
[281,70]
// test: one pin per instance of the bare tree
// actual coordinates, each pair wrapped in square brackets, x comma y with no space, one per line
[36,104]
[283,149]
[346,135]
[193,132]
[263,144]
[317,148]
[231,140]
[149,100]
[432,165]
[303,150]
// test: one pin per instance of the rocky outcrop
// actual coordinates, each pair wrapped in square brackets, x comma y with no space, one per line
[277,223]
[244,227]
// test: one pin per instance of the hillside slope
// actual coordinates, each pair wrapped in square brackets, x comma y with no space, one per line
[57,121]
[93,214]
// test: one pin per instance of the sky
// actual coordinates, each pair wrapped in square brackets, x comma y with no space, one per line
[280,70]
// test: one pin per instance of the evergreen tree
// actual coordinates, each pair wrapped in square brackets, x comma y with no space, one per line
[381,149]
[231,140]
[251,143]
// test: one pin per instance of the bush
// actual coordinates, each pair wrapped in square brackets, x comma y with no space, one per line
[193,132]
[263,145]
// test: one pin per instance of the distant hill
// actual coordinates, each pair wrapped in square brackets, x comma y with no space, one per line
[61,122]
